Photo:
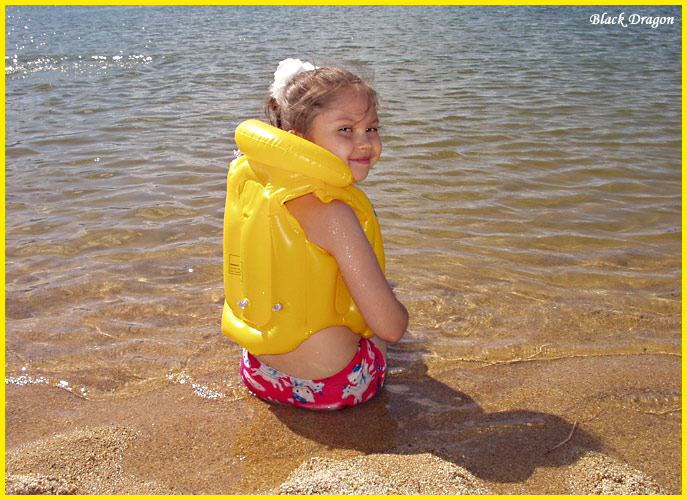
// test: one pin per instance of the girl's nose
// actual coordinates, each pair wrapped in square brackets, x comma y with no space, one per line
[364,142]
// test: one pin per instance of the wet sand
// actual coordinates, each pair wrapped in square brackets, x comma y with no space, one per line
[582,425]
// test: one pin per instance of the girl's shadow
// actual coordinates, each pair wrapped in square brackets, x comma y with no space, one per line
[417,414]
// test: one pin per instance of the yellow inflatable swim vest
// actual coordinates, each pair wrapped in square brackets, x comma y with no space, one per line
[280,288]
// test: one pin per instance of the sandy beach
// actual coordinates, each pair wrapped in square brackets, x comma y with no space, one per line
[578,425]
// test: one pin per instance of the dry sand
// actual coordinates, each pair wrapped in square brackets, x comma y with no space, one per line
[383,474]
[82,461]
[582,425]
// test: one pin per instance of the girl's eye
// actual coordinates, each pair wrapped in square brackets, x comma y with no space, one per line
[345,129]
[373,129]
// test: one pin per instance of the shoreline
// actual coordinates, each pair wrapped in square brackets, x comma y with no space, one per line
[578,425]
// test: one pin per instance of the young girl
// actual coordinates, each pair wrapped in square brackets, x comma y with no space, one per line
[305,289]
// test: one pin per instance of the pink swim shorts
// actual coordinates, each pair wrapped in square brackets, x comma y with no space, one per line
[354,385]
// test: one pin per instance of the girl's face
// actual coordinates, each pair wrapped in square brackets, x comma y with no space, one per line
[349,128]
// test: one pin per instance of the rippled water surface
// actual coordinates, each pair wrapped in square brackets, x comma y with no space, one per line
[529,191]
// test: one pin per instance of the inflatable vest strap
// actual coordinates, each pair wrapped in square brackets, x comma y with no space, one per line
[280,288]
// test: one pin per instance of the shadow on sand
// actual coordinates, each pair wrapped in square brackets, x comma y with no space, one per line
[417,414]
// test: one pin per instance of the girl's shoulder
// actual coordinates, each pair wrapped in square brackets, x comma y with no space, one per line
[324,223]
[309,206]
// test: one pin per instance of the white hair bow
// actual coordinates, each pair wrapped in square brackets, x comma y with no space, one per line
[286,71]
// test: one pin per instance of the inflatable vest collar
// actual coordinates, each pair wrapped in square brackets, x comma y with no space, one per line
[280,288]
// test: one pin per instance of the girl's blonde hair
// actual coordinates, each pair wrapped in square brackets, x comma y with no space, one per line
[309,93]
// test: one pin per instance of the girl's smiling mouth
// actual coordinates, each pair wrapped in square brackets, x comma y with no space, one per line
[364,161]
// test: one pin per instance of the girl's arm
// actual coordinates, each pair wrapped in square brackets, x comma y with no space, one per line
[335,228]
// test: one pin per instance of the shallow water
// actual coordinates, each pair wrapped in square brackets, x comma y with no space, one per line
[529,191]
